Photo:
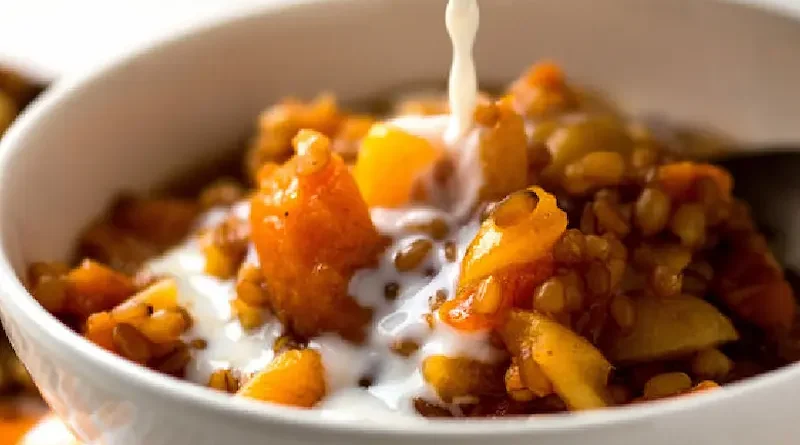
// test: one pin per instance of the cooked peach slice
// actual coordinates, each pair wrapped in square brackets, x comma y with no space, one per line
[666,328]
[510,255]
[390,162]
[578,371]
[294,378]
[522,230]
[312,230]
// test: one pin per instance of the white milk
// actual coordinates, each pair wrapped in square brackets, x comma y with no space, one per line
[462,19]
[396,380]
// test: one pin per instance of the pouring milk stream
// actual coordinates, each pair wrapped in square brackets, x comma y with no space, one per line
[462,20]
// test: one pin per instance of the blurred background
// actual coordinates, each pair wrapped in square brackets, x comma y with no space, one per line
[49,38]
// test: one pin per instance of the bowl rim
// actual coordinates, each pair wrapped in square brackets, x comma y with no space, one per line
[150,385]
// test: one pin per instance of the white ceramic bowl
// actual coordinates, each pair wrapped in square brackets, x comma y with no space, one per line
[144,117]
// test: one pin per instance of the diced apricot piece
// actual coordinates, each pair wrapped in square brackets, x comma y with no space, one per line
[577,370]
[678,179]
[522,230]
[542,91]
[162,295]
[95,288]
[665,328]
[294,378]
[389,163]
[503,152]
[99,329]
[311,232]
[454,377]
[546,74]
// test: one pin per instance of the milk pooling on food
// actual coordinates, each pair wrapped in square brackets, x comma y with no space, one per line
[395,379]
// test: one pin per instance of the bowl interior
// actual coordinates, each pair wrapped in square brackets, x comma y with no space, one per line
[726,67]
[138,121]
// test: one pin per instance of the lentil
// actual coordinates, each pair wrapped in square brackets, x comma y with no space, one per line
[411,256]
[250,286]
[652,211]
[405,348]
[689,224]
[175,363]
[131,343]
[711,364]
[450,251]
[666,282]
[224,380]
[549,297]
[622,311]
[570,248]
[391,290]
[436,228]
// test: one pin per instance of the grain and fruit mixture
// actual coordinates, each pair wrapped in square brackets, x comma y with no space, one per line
[559,256]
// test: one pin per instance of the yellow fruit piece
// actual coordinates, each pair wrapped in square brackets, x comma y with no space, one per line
[669,327]
[577,370]
[96,287]
[99,328]
[517,233]
[389,163]
[503,153]
[312,230]
[294,378]
[162,295]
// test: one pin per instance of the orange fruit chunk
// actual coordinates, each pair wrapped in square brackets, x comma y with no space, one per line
[390,162]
